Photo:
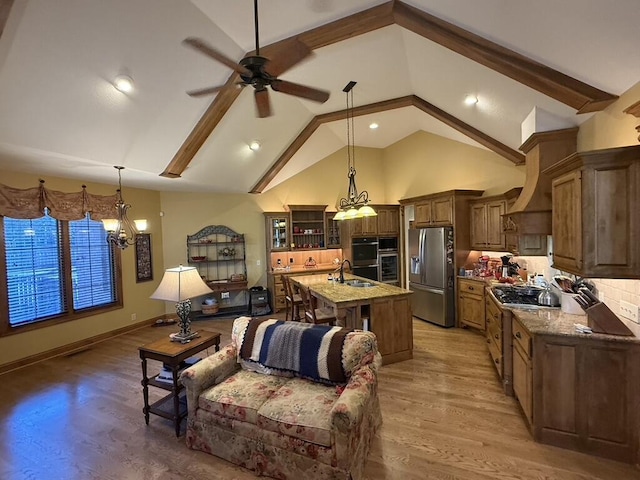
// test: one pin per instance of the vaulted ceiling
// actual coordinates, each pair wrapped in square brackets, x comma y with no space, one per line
[414,62]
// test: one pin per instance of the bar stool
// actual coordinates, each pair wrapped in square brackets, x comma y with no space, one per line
[291,300]
[316,315]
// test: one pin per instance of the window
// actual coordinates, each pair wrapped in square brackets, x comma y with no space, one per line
[57,270]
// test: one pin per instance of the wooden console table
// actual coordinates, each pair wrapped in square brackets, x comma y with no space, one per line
[171,354]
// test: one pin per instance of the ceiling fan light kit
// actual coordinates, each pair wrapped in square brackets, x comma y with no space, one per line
[261,72]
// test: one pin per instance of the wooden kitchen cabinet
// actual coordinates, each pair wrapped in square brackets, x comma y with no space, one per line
[388,220]
[578,391]
[522,369]
[471,303]
[486,224]
[386,223]
[434,212]
[498,338]
[363,227]
[595,221]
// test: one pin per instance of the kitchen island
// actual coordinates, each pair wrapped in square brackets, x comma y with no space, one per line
[381,308]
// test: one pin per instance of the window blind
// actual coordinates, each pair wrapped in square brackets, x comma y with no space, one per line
[92,265]
[35,280]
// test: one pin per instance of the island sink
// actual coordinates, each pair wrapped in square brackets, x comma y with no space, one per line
[358,283]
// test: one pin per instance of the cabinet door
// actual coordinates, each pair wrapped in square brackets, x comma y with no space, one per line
[388,221]
[523,381]
[479,226]
[277,232]
[495,237]
[567,221]
[471,310]
[333,231]
[442,211]
[364,226]
[369,225]
[422,214]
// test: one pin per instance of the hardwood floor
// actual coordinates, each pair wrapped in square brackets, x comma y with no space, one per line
[445,417]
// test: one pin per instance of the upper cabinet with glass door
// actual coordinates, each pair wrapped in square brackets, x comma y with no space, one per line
[277,231]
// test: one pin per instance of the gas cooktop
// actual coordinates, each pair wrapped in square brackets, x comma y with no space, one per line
[517,296]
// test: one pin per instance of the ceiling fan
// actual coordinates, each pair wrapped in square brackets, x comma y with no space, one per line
[261,72]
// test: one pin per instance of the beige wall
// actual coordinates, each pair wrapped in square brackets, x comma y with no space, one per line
[145,204]
[611,127]
[424,163]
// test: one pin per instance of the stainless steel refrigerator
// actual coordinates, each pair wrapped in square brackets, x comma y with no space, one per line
[431,275]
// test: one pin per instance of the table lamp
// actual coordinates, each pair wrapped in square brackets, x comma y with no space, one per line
[180,285]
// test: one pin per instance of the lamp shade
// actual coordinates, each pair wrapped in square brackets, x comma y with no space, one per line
[110,224]
[339,215]
[366,211]
[180,283]
[141,225]
[351,213]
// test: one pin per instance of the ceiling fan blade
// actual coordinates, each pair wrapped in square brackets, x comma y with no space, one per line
[298,90]
[263,104]
[203,47]
[286,56]
[204,91]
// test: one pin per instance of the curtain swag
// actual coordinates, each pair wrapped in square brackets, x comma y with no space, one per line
[31,202]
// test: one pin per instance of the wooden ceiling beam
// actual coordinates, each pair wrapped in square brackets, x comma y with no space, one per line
[401,102]
[5,9]
[574,93]
[579,95]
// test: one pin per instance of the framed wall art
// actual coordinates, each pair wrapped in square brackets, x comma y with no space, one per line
[144,269]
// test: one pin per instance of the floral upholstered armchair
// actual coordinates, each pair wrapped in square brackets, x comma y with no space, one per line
[287,400]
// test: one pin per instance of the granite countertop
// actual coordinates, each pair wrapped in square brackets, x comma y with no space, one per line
[335,292]
[553,321]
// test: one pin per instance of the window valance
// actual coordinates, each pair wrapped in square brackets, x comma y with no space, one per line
[31,202]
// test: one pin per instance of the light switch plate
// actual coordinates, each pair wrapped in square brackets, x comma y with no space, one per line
[629,310]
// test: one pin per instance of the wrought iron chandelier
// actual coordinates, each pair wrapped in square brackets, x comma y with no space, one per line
[120,231]
[355,205]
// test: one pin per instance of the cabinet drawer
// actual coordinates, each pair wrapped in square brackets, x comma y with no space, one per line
[471,286]
[496,355]
[522,338]
[494,332]
[493,310]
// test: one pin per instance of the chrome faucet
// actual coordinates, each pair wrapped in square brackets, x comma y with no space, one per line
[342,269]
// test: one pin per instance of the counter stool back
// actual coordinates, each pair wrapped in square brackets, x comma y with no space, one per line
[292,301]
[313,314]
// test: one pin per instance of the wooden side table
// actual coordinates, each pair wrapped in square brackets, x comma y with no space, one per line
[171,354]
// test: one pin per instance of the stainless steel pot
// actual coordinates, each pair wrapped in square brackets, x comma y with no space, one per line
[548,298]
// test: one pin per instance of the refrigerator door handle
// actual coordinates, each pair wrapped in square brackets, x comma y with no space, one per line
[421,253]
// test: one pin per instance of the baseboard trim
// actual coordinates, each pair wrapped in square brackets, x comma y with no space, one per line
[75,346]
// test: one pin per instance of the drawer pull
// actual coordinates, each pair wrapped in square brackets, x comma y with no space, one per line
[497,361]
[497,337]
[518,335]
[470,287]
[488,340]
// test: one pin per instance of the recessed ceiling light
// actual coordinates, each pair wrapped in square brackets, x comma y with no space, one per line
[123,83]
[254,146]
[373,126]
[470,100]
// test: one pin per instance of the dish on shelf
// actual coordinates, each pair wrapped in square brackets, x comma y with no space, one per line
[200,258]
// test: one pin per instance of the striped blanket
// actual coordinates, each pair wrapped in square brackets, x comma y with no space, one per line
[308,351]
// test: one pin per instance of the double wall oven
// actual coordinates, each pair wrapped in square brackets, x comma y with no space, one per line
[365,257]
[376,258]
